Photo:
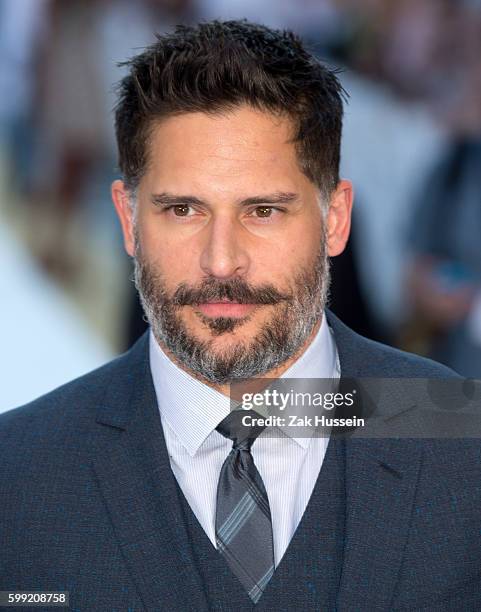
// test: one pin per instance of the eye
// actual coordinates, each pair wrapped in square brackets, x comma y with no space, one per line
[181,210]
[263,211]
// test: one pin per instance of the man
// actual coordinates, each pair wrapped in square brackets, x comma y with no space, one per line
[133,488]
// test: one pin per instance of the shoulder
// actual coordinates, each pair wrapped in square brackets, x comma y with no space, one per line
[360,356]
[49,416]
[392,361]
[70,406]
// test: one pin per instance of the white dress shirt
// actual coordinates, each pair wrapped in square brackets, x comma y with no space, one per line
[289,466]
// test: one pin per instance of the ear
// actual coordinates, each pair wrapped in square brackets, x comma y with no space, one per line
[122,203]
[339,218]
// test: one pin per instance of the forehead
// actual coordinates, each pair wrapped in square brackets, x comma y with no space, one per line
[225,151]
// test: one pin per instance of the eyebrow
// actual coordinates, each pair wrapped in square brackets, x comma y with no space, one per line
[278,197]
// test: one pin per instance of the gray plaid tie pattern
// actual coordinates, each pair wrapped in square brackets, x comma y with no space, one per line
[243,524]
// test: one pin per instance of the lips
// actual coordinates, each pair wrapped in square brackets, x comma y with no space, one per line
[225,309]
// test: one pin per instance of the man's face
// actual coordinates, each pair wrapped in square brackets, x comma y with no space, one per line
[230,243]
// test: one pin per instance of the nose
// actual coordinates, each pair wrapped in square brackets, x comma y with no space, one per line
[223,255]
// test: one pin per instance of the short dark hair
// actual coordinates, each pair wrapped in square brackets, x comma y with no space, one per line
[216,66]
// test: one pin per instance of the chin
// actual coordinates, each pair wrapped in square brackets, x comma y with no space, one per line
[226,338]
[243,328]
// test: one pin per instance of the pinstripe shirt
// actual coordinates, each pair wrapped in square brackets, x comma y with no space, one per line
[289,466]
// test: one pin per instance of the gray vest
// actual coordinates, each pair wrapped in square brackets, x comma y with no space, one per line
[309,573]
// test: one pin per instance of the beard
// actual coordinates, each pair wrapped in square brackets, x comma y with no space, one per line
[295,315]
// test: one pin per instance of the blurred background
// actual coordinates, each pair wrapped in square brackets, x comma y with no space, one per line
[411,275]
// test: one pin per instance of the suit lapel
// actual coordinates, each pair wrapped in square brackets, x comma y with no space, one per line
[131,463]
[381,480]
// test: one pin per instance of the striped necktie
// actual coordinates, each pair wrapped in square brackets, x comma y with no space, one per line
[243,526]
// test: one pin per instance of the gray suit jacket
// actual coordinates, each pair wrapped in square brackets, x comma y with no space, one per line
[88,501]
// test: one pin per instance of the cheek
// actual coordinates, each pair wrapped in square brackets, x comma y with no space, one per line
[281,267]
[177,263]
[297,250]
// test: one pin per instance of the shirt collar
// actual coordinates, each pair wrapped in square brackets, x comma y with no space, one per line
[193,410]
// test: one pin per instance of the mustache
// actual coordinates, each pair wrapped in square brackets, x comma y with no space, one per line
[234,290]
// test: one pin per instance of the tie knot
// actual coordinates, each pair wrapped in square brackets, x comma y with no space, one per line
[242,436]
